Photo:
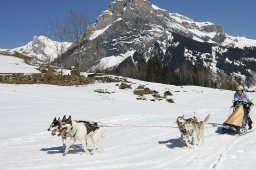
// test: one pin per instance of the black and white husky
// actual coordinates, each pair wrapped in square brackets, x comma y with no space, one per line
[54,128]
[80,130]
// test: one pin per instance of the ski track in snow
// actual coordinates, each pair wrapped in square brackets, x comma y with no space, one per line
[27,111]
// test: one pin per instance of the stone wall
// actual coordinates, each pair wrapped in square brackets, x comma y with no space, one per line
[64,80]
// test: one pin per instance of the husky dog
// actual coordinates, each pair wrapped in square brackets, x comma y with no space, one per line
[54,127]
[192,130]
[80,130]
[181,121]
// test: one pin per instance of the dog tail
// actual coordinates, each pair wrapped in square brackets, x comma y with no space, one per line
[206,119]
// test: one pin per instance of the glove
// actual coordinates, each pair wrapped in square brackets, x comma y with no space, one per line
[234,103]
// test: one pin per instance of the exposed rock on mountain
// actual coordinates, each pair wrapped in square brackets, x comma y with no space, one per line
[134,31]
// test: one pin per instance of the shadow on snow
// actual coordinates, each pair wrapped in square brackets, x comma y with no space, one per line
[173,143]
[59,149]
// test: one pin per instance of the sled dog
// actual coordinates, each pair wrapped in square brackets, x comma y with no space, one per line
[181,121]
[80,130]
[192,131]
[54,128]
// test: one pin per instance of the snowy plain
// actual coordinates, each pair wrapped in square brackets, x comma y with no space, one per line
[136,142]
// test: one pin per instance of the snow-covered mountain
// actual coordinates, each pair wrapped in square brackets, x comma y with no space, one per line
[131,27]
[41,47]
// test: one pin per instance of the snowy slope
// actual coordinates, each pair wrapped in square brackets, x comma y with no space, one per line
[111,61]
[10,64]
[27,111]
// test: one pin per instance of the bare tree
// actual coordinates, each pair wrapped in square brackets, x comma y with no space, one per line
[68,29]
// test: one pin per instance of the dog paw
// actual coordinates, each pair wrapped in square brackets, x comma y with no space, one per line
[64,154]
[191,146]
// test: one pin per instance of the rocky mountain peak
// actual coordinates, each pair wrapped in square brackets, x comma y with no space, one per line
[118,6]
[142,15]
[133,31]
[123,9]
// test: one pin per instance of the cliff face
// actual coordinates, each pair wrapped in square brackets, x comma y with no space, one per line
[130,27]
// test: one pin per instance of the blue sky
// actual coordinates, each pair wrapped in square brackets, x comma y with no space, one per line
[21,20]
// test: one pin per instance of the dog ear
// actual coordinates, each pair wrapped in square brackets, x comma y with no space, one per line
[59,119]
[54,119]
[69,118]
[64,118]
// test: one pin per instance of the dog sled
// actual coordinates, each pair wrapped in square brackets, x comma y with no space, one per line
[238,120]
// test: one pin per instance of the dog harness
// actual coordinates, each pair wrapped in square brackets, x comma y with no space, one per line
[73,134]
[89,126]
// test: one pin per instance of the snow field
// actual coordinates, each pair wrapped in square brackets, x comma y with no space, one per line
[27,111]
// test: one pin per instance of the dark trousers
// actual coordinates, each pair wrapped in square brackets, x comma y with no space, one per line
[247,118]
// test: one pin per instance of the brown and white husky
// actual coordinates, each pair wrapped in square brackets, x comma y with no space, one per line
[192,131]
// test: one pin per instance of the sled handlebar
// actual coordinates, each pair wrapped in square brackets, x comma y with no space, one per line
[243,102]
